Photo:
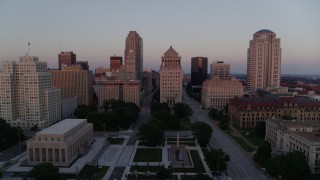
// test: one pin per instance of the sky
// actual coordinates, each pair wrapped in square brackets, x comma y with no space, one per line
[219,30]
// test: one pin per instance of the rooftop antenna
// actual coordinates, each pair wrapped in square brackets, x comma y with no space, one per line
[29,48]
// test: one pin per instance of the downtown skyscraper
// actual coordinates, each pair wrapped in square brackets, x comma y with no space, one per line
[133,55]
[27,98]
[264,61]
[171,75]
[199,70]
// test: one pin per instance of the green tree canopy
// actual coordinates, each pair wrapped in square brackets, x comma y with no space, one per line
[203,132]
[292,166]
[260,129]
[44,171]
[9,136]
[156,107]
[82,111]
[263,154]
[151,134]
[217,160]
[182,110]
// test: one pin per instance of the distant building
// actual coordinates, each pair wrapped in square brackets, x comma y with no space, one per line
[101,73]
[216,93]
[133,55]
[67,58]
[115,63]
[171,75]
[146,82]
[68,106]
[27,98]
[264,61]
[220,69]
[84,65]
[247,112]
[74,82]
[126,90]
[199,70]
[303,136]
[61,143]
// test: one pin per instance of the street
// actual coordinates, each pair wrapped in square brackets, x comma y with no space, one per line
[240,166]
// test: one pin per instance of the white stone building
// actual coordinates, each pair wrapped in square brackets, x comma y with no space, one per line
[288,136]
[27,98]
[171,75]
[60,143]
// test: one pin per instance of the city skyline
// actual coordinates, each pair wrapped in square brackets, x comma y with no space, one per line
[217,30]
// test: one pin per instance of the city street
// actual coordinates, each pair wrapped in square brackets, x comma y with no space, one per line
[240,165]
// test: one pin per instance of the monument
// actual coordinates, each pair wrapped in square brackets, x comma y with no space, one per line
[179,154]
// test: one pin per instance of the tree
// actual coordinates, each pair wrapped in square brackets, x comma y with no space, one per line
[217,160]
[151,134]
[263,154]
[9,136]
[182,110]
[44,171]
[156,107]
[202,131]
[202,177]
[292,166]
[156,96]
[82,111]
[287,117]
[260,129]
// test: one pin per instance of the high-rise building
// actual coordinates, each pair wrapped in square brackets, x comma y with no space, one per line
[74,82]
[84,65]
[133,55]
[126,90]
[67,58]
[199,70]
[264,61]
[220,69]
[146,81]
[171,75]
[27,98]
[115,63]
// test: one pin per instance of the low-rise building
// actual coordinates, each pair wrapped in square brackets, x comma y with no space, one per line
[61,143]
[247,112]
[302,136]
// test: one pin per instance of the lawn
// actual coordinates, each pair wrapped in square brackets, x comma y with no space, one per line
[148,155]
[197,162]
[145,168]
[243,144]
[89,171]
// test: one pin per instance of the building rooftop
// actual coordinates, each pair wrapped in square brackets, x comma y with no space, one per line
[312,137]
[61,127]
[264,31]
[171,52]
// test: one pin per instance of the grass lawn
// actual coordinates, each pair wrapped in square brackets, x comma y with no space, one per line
[243,144]
[89,171]
[145,168]
[197,162]
[148,155]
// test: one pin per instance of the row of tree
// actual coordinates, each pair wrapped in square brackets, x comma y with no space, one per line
[118,115]
[9,136]
[219,116]
[291,166]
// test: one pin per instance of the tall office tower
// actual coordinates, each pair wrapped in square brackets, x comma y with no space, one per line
[74,82]
[264,61]
[146,82]
[133,55]
[220,69]
[115,63]
[199,70]
[171,75]
[27,98]
[67,58]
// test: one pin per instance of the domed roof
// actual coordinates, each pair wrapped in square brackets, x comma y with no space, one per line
[171,52]
[264,31]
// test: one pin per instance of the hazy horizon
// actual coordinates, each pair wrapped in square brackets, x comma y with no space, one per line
[219,30]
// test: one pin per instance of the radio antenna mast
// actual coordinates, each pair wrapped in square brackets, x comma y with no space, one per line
[29,48]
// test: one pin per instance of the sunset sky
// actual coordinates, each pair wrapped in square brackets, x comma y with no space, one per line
[219,30]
